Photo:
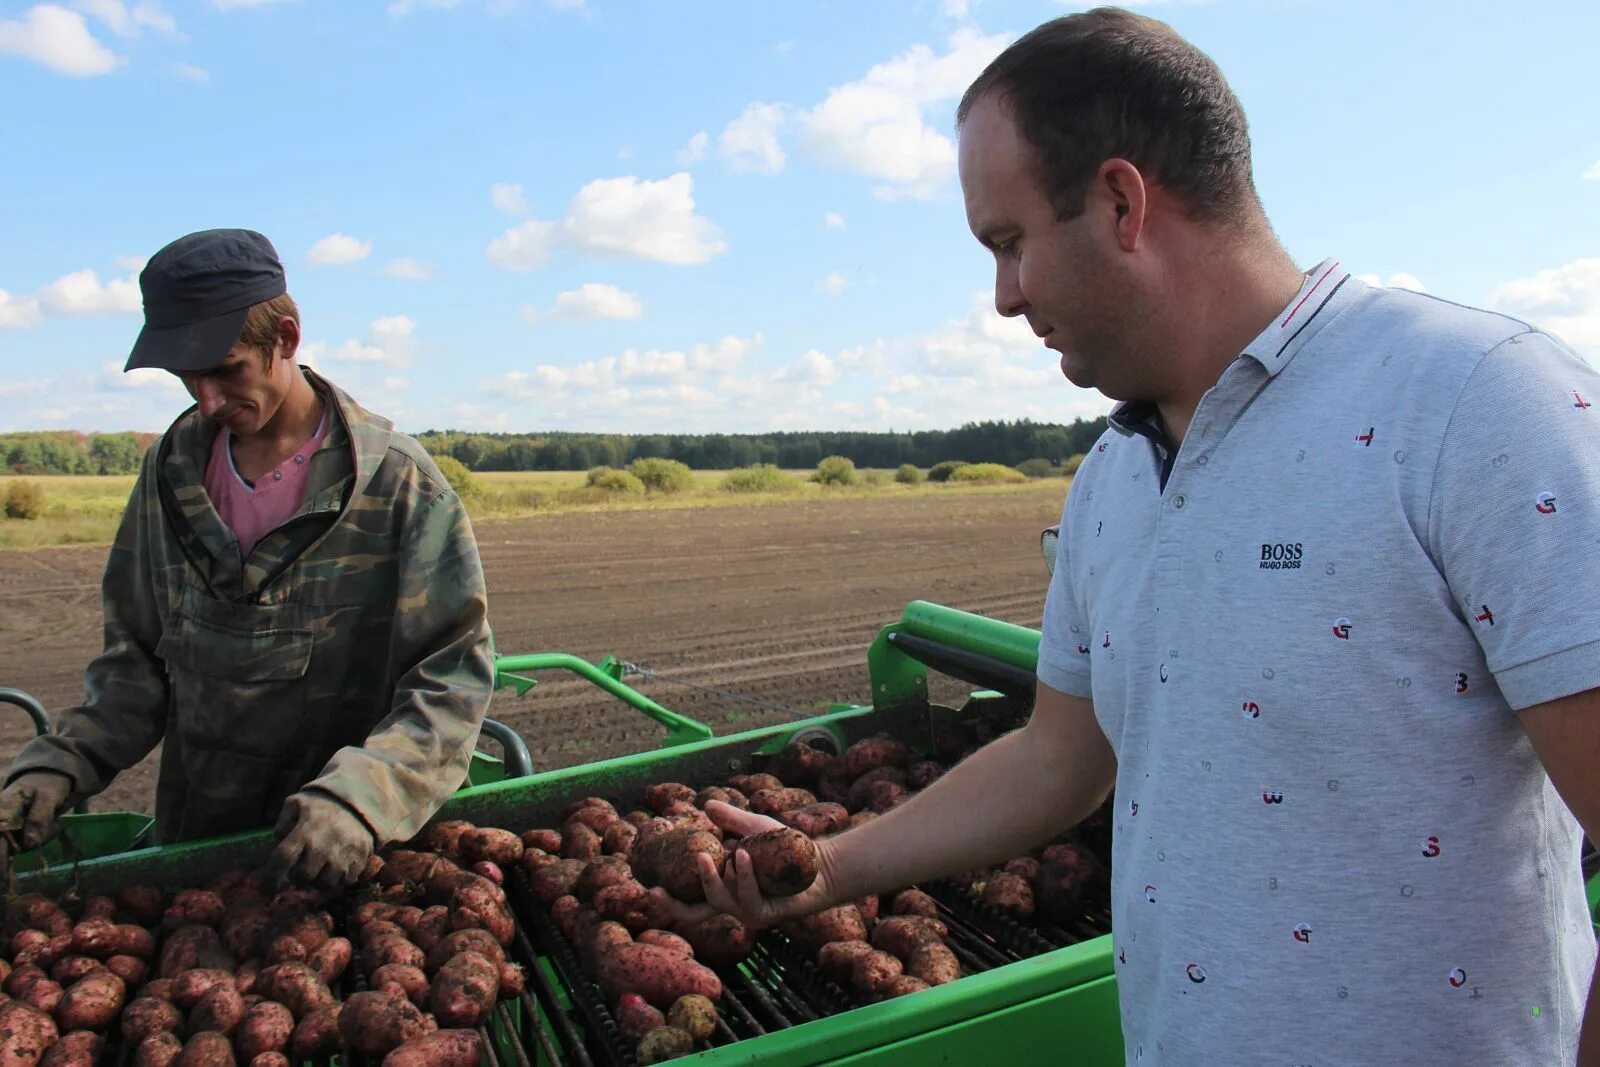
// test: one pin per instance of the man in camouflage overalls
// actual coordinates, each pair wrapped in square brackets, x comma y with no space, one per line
[327,670]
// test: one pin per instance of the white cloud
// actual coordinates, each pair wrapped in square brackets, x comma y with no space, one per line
[750,142]
[523,247]
[833,220]
[81,293]
[593,301]
[337,249]
[19,312]
[1564,300]
[629,370]
[1593,173]
[125,21]
[411,269]
[59,39]
[833,284]
[131,264]
[31,387]
[507,197]
[875,126]
[633,217]
[813,368]
[192,73]
[390,343]
[691,153]
[1400,280]
[143,379]
[395,385]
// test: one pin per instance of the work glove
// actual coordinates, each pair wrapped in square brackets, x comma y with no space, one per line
[324,844]
[32,804]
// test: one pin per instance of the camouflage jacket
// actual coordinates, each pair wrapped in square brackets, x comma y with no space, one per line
[349,653]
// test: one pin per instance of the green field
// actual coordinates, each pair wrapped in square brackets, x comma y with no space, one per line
[84,509]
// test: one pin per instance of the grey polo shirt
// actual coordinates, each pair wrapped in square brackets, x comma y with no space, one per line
[1334,843]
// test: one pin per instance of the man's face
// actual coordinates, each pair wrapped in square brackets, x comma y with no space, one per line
[1063,277]
[243,392]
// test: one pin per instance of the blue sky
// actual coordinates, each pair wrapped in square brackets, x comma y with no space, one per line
[731,216]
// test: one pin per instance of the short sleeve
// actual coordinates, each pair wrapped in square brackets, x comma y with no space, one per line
[1061,665]
[1514,517]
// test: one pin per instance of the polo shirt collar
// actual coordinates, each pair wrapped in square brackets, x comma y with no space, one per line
[1327,288]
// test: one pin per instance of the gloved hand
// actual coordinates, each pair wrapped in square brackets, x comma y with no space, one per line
[324,844]
[33,804]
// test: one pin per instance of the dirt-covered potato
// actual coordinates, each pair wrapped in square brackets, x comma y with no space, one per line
[694,1014]
[914,902]
[901,986]
[80,1048]
[580,842]
[405,867]
[316,1037]
[662,1044]
[903,934]
[244,929]
[189,987]
[668,940]
[587,802]
[800,763]
[719,941]
[474,907]
[409,980]
[860,793]
[637,1017]
[464,991]
[45,995]
[375,1022]
[604,871]
[158,1050]
[751,784]
[934,963]
[488,843]
[69,969]
[92,1002]
[158,989]
[875,970]
[266,1027]
[659,975]
[614,902]
[618,838]
[1011,894]
[297,987]
[25,1034]
[442,1048]
[925,773]
[444,837]
[201,907]
[731,797]
[837,959]
[785,861]
[843,923]
[774,801]
[597,819]
[219,1010]
[379,951]
[270,1059]
[191,947]
[817,820]
[330,960]
[143,904]
[543,840]
[146,1016]
[658,797]
[131,969]
[479,941]
[874,752]
[1024,867]
[102,939]
[206,1049]
[668,860]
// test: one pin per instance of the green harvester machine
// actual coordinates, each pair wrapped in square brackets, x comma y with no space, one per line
[1031,994]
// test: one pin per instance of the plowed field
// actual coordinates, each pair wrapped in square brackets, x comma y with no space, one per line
[749,615]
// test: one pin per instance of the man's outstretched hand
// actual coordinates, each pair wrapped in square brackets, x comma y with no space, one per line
[734,890]
[32,805]
[323,843]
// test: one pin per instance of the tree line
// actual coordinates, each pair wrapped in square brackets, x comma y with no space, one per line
[1010,443]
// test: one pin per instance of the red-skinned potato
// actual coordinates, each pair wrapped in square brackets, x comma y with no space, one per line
[375,1022]
[659,975]
[544,840]
[719,941]
[218,1011]
[785,861]
[149,1015]
[637,1017]
[296,987]
[266,1027]
[464,991]
[25,1034]
[667,940]
[488,843]
[158,1050]
[81,1048]
[143,904]
[130,969]
[409,980]
[201,907]
[189,987]
[442,1048]
[270,1059]
[207,1049]
[316,1036]
[330,960]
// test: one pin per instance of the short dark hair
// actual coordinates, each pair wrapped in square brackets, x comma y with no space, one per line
[1108,84]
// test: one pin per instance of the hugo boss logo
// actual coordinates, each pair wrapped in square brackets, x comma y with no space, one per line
[1282,556]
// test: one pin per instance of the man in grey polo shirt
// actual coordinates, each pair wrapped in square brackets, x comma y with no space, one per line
[1320,611]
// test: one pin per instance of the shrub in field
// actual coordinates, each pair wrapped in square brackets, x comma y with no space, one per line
[1039,468]
[614,481]
[1071,464]
[662,475]
[875,478]
[908,474]
[940,472]
[761,478]
[24,500]
[987,472]
[455,472]
[835,470]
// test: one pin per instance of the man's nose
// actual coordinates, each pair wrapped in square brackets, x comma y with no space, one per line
[1008,298]
[209,396]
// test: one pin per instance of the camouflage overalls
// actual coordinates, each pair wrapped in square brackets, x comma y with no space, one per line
[349,653]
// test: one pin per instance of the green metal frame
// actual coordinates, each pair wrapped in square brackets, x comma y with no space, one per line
[900,680]
[510,672]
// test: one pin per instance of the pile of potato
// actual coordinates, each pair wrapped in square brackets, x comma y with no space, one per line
[232,973]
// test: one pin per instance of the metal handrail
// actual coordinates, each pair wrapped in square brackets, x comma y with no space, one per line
[41,722]
[514,750]
[681,729]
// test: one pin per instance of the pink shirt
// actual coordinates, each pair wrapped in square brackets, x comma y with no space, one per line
[253,512]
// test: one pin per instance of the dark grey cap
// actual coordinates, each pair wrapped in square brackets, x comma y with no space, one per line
[197,292]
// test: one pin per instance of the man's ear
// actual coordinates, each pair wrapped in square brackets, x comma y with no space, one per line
[288,342]
[1120,187]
